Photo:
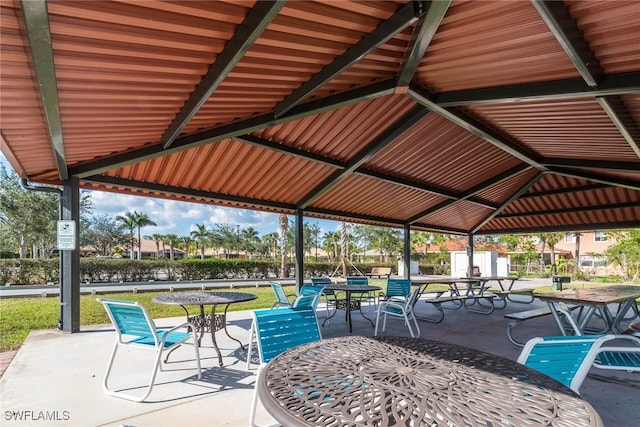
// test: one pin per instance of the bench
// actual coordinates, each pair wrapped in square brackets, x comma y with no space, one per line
[461,300]
[505,296]
[380,272]
[516,319]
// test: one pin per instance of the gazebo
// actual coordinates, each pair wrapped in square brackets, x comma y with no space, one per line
[460,117]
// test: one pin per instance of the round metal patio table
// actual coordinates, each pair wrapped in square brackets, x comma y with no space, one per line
[390,381]
[348,304]
[204,322]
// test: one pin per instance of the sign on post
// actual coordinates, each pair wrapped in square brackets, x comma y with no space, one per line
[66,235]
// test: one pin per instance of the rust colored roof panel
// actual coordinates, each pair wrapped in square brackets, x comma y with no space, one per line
[612,31]
[462,215]
[229,167]
[144,61]
[576,128]
[436,151]
[366,196]
[297,45]
[501,192]
[490,43]
[341,133]
[24,136]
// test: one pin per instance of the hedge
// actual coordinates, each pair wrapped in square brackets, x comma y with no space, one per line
[105,270]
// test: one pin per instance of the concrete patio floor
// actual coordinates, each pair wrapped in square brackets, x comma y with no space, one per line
[55,379]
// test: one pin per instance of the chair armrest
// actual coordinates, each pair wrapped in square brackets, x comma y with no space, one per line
[175,328]
[389,303]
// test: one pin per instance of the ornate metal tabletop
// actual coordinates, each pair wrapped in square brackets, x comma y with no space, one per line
[392,381]
[203,298]
[207,322]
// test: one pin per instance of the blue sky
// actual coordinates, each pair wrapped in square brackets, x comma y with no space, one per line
[180,217]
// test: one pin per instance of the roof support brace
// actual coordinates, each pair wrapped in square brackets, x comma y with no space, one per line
[557,17]
[257,20]
[299,249]
[421,38]
[36,18]
[424,97]
[378,144]
[617,112]
[511,199]
[407,15]
[472,192]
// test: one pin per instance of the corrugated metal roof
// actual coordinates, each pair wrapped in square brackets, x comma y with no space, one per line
[461,117]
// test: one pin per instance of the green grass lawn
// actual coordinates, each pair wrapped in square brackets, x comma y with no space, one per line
[20,316]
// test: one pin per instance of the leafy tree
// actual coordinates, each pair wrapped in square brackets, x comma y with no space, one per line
[186,243]
[103,233]
[157,238]
[313,231]
[626,252]
[387,241]
[201,236]
[29,216]
[228,238]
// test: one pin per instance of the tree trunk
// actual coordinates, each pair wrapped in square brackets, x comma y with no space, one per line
[23,245]
[284,228]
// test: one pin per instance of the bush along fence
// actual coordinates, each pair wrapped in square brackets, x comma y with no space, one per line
[97,270]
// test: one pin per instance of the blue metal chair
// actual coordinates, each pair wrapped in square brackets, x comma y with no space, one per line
[278,330]
[307,300]
[619,358]
[566,359]
[282,298]
[398,289]
[330,297]
[399,309]
[135,328]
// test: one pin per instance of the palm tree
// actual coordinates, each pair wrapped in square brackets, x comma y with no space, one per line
[201,237]
[284,230]
[331,241]
[186,242]
[250,238]
[270,241]
[141,220]
[128,223]
[172,240]
[157,238]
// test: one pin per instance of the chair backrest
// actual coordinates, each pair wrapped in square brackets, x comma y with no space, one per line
[132,319]
[278,330]
[281,295]
[398,288]
[357,280]
[311,289]
[320,281]
[566,359]
[308,300]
